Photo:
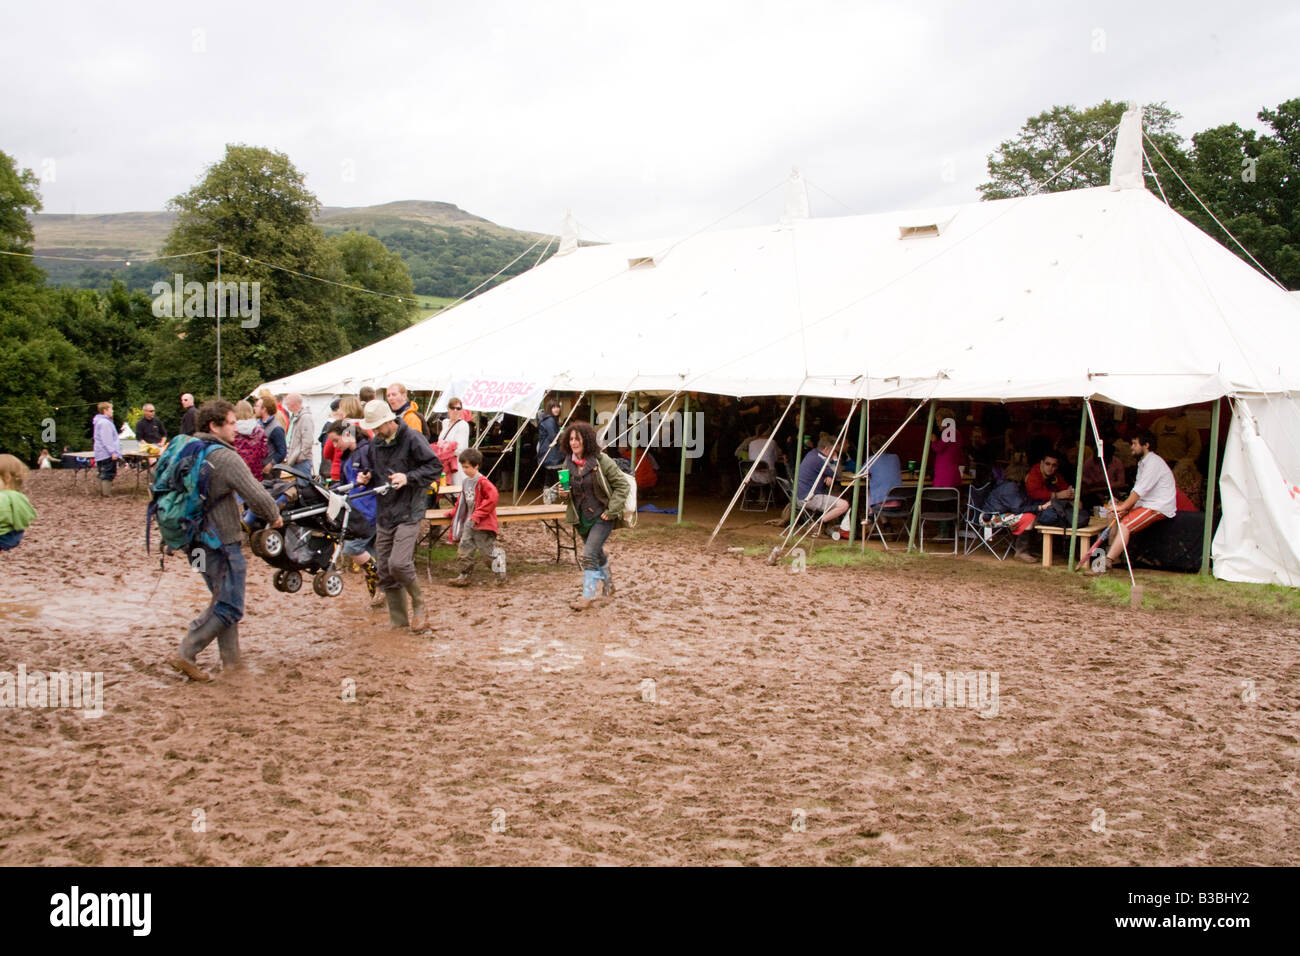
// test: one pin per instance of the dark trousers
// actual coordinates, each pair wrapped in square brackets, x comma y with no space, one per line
[593,545]
[395,554]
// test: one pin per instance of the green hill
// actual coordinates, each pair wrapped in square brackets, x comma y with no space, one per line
[448,250]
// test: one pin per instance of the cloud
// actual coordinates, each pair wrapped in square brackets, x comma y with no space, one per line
[645,119]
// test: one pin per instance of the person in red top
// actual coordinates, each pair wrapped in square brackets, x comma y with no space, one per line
[1044,483]
[474,524]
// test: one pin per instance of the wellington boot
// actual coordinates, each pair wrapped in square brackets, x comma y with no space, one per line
[105,488]
[397,608]
[418,621]
[228,645]
[459,581]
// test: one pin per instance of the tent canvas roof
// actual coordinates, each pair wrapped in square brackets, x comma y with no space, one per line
[1098,292]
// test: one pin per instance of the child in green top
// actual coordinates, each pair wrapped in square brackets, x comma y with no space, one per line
[16,512]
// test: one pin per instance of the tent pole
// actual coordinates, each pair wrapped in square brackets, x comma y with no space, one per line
[798,458]
[920,479]
[857,480]
[631,429]
[1210,483]
[593,409]
[681,477]
[518,447]
[1078,483]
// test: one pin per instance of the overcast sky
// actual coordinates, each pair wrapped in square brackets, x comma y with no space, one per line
[646,119]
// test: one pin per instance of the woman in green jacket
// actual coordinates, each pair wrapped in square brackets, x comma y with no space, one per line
[598,490]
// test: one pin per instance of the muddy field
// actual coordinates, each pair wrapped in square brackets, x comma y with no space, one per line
[520,732]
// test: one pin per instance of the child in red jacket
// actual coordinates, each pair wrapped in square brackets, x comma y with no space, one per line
[474,525]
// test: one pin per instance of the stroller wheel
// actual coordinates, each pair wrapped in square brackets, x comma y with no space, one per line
[278,580]
[272,543]
[328,584]
[255,542]
[292,582]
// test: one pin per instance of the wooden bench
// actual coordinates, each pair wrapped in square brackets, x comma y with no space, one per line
[1086,532]
[551,517]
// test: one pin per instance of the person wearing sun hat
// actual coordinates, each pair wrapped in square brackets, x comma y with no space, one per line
[402,459]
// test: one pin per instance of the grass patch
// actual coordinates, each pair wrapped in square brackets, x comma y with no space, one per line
[853,557]
[1201,595]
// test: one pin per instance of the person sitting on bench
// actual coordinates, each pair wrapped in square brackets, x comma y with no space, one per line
[1154,497]
[1044,484]
[817,474]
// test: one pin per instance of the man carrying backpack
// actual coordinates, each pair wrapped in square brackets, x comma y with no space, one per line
[223,567]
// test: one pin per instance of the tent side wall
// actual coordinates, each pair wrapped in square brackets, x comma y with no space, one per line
[1258,539]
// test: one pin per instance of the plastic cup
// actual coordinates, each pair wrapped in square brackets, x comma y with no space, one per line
[564,478]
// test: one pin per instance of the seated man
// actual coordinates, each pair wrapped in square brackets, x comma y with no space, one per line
[1044,483]
[765,451]
[1154,496]
[817,474]
[884,474]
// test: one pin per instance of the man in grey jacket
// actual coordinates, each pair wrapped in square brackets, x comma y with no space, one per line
[223,568]
[302,432]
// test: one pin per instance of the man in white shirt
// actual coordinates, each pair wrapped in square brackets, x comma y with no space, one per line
[1154,497]
[765,451]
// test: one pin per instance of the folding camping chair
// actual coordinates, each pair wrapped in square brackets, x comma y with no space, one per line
[897,505]
[980,529]
[803,517]
[940,504]
[760,489]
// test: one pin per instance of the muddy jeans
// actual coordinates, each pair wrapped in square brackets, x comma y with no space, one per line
[395,554]
[223,571]
[474,543]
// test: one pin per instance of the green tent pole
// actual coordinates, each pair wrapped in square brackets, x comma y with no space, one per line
[920,479]
[681,478]
[798,458]
[1078,483]
[631,427]
[1210,486]
[857,481]
[519,444]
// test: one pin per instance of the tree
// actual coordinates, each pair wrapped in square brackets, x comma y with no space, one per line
[1249,182]
[1049,141]
[38,369]
[256,205]
[366,262]
[18,200]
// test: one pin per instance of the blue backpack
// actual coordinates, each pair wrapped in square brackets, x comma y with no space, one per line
[179,495]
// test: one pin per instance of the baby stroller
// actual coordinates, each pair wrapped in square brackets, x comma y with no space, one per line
[317,520]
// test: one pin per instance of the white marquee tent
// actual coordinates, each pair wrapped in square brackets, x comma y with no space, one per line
[1102,293]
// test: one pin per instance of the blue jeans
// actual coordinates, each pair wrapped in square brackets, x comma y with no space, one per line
[593,545]
[223,572]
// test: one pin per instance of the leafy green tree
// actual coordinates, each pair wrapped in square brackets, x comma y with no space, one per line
[367,263]
[38,370]
[19,198]
[256,205]
[1249,182]
[1049,141]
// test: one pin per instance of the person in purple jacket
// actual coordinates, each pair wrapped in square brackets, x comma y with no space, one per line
[108,450]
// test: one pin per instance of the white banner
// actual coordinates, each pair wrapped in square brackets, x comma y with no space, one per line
[514,396]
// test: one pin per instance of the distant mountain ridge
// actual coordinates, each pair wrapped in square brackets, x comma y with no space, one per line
[447,249]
